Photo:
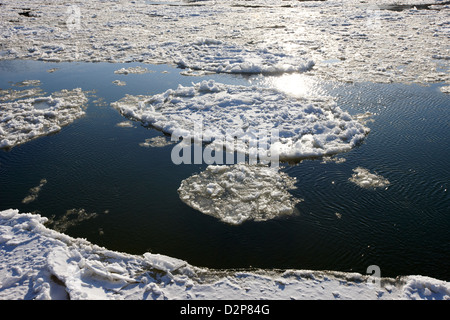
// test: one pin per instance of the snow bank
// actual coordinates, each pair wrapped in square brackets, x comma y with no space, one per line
[40,263]
[238,193]
[365,179]
[213,112]
[24,120]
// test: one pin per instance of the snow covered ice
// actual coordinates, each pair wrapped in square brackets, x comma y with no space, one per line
[307,127]
[40,263]
[365,179]
[238,193]
[24,120]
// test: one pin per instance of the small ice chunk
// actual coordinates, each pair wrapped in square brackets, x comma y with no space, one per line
[133,70]
[34,192]
[241,192]
[119,83]
[365,179]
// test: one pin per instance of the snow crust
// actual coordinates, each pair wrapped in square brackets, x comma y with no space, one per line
[238,193]
[40,263]
[27,119]
[307,127]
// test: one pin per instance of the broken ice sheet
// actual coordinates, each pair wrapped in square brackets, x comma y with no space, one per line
[24,120]
[238,193]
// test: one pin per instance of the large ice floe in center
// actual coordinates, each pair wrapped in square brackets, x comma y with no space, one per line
[27,119]
[248,119]
[237,193]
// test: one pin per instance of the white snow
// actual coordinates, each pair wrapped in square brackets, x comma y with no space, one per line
[40,263]
[159,141]
[307,127]
[119,83]
[24,120]
[238,193]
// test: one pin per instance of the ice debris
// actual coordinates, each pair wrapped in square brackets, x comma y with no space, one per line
[238,193]
[24,120]
[365,179]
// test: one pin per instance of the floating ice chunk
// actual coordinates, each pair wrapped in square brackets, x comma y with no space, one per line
[34,192]
[307,127]
[70,218]
[241,192]
[24,120]
[132,70]
[27,83]
[445,89]
[119,83]
[363,178]
[159,141]
[125,124]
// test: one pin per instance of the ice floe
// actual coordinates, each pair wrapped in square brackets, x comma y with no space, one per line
[365,179]
[119,83]
[238,193]
[24,120]
[241,119]
[39,263]
[159,141]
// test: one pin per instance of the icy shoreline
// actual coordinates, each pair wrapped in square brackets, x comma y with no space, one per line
[40,263]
